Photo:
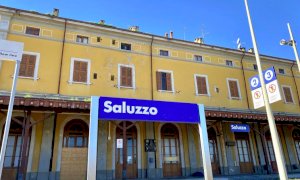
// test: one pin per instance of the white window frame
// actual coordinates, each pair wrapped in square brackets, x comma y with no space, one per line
[32,34]
[227,60]
[164,50]
[196,84]
[286,86]
[133,76]
[228,89]
[172,80]
[36,67]
[88,82]
[197,55]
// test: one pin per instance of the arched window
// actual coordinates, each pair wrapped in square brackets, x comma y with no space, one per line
[296,137]
[13,147]
[76,134]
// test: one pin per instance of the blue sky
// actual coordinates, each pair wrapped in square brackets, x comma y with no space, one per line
[220,22]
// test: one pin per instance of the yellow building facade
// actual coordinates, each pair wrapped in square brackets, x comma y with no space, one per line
[66,61]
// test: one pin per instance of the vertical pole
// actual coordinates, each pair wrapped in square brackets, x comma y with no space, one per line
[204,144]
[275,139]
[93,139]
[294,46]
[8,116]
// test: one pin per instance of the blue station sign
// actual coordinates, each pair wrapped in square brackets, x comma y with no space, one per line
[239,128]
[147,110]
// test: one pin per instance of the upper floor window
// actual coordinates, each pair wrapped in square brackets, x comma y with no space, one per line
[126,76]
[229,63]
[281,71]
[233,88]
[32,31]
[164,80]
[126,46]
[255,67]
[80,70]
[198,58]
[29,65]
[82,39]
[288,96]
[201,83]
[163,53]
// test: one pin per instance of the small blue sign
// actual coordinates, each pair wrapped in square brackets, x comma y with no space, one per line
[254,82]
[269,75]
[147,110]
[239,128]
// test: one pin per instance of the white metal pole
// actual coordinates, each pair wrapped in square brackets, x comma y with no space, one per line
[8,116]
[294,46]
[204,144]
[274,134]
[93,139]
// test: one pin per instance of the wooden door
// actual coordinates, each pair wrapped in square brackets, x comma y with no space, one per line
[171,151]
[271,151]
[212,139]
[243,147]
[126,157]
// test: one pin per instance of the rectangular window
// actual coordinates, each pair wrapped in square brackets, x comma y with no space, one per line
[288,97]
[126,46]
[233,88]
[82,39]
[255,67]
[229,63]
[32,31]
[126,76]
[27,65]
[164,81]
[281,71]
[198,58]
[201,85]
[163,53]
[80,71]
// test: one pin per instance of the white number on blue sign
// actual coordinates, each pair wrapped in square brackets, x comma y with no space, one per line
[254,82]
[269,75]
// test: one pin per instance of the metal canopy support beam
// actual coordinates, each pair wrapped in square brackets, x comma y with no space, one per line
[93,139]
[204,143]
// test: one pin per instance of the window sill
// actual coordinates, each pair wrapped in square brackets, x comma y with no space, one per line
[125,87]
[25,77]
[235,98]
[208,95]
[291,103]
[84,83]
[166,91]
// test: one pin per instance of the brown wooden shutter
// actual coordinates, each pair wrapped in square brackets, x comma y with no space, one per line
[129,76]
[288,94]
[27,65]
[201,85]
[234,92]
[169,81]
[126,76]
[158,80]
[80,71]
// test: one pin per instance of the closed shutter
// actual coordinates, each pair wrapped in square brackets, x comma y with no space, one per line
[27,65]
[126,76]
[158,80]
[80,71]
[288,95]
[169,81]
[201,85]
[234,92]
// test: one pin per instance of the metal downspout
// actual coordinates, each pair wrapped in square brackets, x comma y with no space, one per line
[245,80]
[295,82]
[62,57]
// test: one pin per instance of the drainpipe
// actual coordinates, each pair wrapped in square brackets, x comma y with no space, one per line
[62,57]
[245,80]
[52,143]
[295,82]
